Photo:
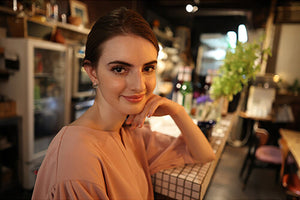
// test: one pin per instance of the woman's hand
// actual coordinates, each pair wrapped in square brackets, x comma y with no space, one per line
[194,138]
[155,106]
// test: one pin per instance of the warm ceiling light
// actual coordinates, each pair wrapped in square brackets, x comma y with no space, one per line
[276,78]
[189,8]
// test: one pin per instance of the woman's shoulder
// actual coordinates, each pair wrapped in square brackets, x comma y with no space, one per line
[74,143]
[76,150]
[80,137]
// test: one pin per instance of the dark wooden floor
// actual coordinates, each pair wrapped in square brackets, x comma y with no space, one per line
[227,185]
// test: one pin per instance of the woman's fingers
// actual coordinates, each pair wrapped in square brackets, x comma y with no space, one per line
[129,119]
[155,106]
[139,119]
[152,107]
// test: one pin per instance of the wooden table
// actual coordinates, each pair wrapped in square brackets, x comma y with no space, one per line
[256,118]
[192,180]
[292,139]
[251,120]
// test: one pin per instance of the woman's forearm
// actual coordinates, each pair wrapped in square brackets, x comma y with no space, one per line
[197,143]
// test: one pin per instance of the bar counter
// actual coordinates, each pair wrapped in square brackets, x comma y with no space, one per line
[191,181]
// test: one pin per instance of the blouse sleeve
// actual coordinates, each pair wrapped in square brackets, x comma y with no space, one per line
[164,151]
[70,171]
[77,190]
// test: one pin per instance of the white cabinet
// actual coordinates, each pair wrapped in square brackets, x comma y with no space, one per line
[41,91]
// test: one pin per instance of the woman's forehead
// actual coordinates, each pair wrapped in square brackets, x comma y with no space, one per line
[127,47]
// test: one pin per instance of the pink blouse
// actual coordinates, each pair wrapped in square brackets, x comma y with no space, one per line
[84,163]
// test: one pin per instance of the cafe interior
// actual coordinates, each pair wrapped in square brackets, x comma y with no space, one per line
[233,65]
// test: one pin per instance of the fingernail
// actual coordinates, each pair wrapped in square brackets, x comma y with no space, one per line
[128,121]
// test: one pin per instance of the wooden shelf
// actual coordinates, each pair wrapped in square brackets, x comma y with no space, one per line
[64,26]
[41,29]
[288,14]
[74,28]
[7,10]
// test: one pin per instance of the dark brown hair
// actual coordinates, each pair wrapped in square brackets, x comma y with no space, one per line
[121,21]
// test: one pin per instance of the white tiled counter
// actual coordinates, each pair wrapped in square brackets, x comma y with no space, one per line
[191,181]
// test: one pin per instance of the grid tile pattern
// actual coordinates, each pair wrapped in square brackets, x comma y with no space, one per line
[181,182]
[185,182]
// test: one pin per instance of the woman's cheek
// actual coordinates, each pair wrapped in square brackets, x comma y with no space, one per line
[151,85]
[116,84]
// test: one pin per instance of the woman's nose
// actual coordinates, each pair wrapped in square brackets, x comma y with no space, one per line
[137,82]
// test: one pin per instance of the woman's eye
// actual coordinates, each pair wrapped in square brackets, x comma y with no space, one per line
[119,70]
[149,68]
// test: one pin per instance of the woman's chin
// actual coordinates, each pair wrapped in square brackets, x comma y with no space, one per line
[134,111]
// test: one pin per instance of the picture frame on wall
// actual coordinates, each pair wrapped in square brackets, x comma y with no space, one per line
[79,9]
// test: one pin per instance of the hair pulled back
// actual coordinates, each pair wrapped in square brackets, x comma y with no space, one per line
[121,21]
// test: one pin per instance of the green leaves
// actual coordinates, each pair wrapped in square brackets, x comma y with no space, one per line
[240,66]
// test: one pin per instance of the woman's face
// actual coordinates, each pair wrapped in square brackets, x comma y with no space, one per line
[126,73]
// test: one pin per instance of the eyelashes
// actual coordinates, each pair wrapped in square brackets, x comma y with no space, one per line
[150,68]
[119,70]
[122,70]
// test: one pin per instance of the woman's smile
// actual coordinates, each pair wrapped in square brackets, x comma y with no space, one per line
[134,98]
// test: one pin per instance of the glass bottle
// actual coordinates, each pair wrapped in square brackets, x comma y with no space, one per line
[187,90]
[177,96]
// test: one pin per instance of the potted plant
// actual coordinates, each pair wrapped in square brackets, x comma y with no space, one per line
[240,66]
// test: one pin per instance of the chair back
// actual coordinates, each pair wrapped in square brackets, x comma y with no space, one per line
[258,138]
[261,134]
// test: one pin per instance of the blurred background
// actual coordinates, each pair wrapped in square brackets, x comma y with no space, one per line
[220,59]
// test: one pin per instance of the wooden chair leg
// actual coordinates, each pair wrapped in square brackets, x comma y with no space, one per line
[248,174]
[277,179]
[244,166]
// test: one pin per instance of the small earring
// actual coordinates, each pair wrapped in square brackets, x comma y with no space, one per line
[95,85]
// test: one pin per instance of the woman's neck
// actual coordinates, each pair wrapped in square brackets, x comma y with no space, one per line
[109,119]
[101,118]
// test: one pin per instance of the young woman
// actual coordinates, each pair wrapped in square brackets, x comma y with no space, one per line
[109,153]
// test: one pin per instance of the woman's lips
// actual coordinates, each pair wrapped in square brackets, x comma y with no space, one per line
[134,98]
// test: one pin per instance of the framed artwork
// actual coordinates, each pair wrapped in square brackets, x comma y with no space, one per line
[79,9]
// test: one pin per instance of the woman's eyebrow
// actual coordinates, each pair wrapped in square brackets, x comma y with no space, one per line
[120,63]
[151,62]
[128,64]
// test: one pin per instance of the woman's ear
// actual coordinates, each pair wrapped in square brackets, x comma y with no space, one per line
[91,71]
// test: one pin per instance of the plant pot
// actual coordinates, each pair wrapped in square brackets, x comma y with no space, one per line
[232,106]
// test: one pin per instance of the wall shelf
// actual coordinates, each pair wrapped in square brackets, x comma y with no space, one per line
[74,28]
[38,27]
[30,27]
[8,11]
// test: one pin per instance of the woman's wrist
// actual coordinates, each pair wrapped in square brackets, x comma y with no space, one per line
[177,111]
